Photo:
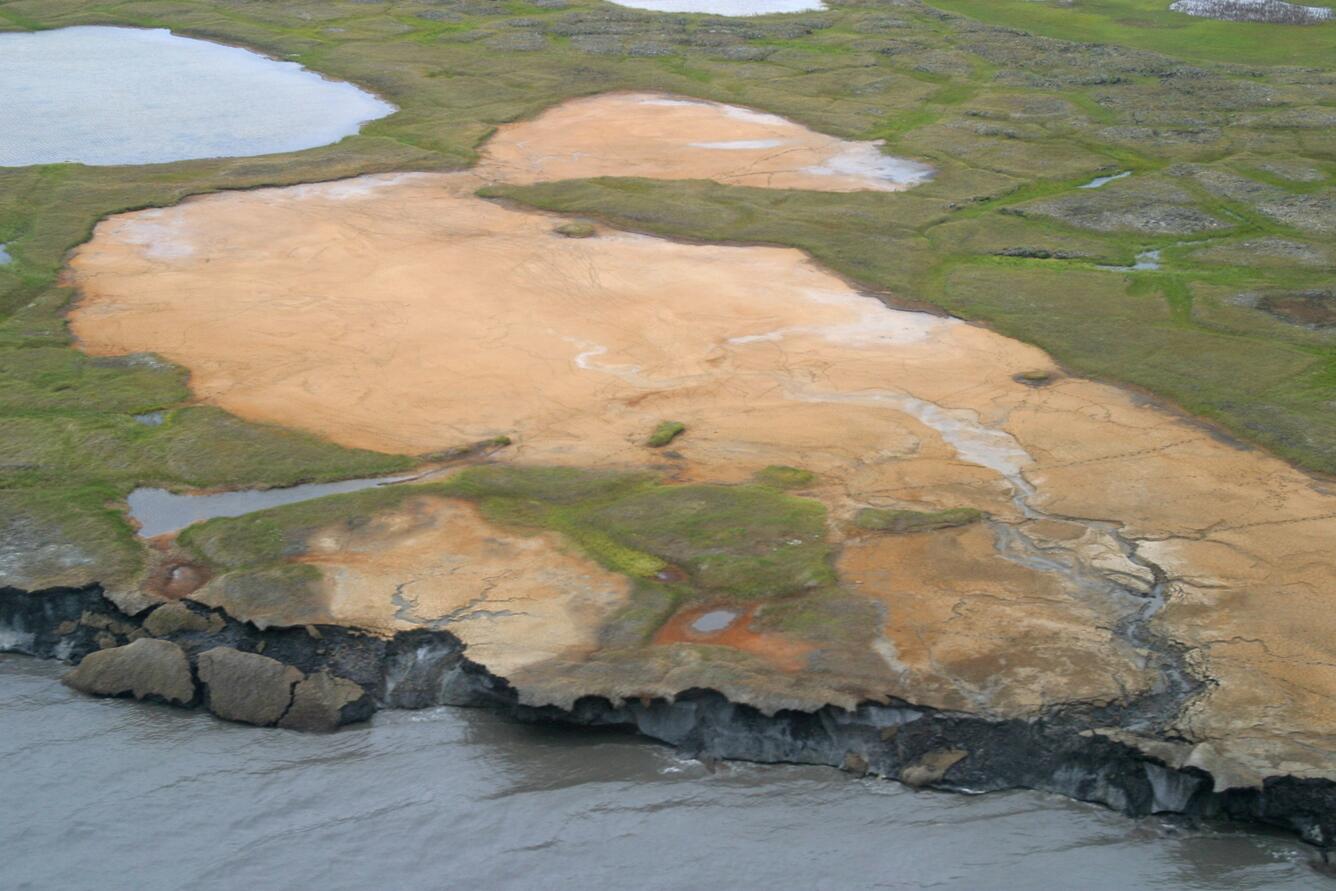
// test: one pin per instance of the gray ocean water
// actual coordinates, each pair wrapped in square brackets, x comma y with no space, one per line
[111,794]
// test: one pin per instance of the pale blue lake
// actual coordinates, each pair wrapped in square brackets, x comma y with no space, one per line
[106,96]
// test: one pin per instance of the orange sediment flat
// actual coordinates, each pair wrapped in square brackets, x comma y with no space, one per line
[405,314]
[668,137]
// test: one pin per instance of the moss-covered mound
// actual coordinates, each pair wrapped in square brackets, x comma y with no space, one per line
[915,521]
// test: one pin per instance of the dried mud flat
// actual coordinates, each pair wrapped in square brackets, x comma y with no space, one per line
[1128,554]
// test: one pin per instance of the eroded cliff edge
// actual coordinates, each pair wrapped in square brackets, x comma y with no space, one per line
[923,747]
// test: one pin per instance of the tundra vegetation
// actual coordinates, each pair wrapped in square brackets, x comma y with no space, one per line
[1229,140]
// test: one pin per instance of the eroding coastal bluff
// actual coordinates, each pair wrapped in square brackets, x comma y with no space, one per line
[869,537]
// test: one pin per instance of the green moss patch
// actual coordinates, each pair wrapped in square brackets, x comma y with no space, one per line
[737,542]
[543,485]
[779,476]
[900,521]
[1035,378]
[577,229]
[665,433]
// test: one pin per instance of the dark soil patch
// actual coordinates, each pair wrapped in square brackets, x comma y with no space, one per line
[1314,309]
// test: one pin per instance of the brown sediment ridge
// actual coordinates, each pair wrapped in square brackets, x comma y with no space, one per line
[404,314]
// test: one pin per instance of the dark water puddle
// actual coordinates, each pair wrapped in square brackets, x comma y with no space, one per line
[158,511]
[5,258]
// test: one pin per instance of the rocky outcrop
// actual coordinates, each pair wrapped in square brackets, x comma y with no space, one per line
[323,702]
[144,669]
[246,687]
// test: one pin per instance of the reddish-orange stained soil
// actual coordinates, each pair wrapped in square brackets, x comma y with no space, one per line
[784,652]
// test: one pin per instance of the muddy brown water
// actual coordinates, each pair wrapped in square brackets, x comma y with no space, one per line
[104,793]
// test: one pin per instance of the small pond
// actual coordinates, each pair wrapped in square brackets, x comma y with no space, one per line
[1099,181]
[158,511]
[104,96]
[725,7]
[1146,261]
[713,621]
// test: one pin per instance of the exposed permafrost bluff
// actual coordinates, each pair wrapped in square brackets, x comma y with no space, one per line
[663,444]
